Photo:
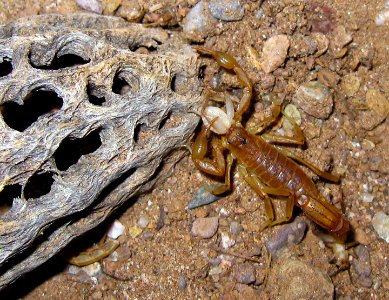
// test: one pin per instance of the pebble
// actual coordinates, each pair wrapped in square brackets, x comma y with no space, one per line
[302,46]
[115,230]
[226,10]
[350,84]
[91,5]
[315,99]
[362,265]
[135,231]
[205,227]
[380,223]
[131,10]
[244,273]
[274,52]
[378,109]
[321,41]
[340,37]
[235,228]
[202,197]
[92,270]
[382,18]
[110,6]
[328,78]
[143,221]
[198,21]
[226,241]
[293,279]
[293,113]
[182,283]
[291,233]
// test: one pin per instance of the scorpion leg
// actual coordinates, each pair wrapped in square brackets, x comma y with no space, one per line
[223,188]
[298,136]
[214,167]
[217,166]
[229,62]
[316,170]
[263,192]
[267,122]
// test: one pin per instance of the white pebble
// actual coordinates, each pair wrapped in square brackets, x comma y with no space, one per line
[91,5]
[367,197]
[380,223]
[116,230]
[92,270]
[382,18]
[143,221]
[227,242]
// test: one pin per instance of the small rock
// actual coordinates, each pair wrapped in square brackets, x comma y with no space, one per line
[92,270]
[321,41]
[274,52]
[293,113]
[340,38]
[115,230]
[367,197]
[380,223]
[377,112]
[110,6]
[205,227]
[91,5]
[291,233]
[361,237]
[215,271]
[131,10]
[244,273]
[202,197]
[235,228]
[226,241]
[199,22]
[382,18]
[135,231]
[226,10]
[301,46]
[315,99]
[143,221]
[182,283]
[293,279]
[350,84]
[328,78]
[268,81]
[362,266]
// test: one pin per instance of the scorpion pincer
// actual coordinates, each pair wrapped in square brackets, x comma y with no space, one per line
[266,168]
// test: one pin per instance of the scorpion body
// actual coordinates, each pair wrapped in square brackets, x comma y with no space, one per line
[276,170]
[265,167]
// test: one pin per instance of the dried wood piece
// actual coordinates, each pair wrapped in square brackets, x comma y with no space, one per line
[86,122]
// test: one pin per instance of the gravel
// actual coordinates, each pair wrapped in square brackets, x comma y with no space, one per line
[226,10]
[205,227]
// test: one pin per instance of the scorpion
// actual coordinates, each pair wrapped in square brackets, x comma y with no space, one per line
[269,170]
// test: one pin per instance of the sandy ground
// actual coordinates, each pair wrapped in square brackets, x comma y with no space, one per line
[164,260]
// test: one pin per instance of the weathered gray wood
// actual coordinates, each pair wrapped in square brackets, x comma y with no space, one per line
[138,128]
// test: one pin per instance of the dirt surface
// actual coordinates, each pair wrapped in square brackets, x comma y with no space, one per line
[159,258]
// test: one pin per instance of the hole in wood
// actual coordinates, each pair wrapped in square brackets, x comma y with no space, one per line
[5,67]
[37,103]
[142,134]
[171,120]
[120,86]
[95,100]
[71,149]
[7,196]
[63,61]
[38,185]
